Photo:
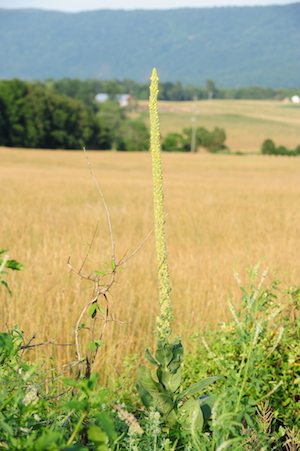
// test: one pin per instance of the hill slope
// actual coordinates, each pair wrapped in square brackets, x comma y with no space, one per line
[235,46]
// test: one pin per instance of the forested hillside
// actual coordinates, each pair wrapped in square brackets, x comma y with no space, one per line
[235,46]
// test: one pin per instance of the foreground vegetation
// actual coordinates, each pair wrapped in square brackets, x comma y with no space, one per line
[253,361]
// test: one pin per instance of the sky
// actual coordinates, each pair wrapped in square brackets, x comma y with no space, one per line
[87,5]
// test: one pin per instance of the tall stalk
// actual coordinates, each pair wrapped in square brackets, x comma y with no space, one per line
[163,328]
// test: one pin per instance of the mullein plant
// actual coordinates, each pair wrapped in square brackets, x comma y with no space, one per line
[178,408]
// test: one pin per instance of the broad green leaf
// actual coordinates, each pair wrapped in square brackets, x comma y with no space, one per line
[108,426]
[145,396]
[197,387]
[150,358]
[163,403]
[194,418]
[164,355]
[98,437]
[48,441]
[169,380]
[146,381]
[2,251]
[206,403]
[6,428]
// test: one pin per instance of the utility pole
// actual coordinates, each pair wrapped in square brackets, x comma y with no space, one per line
[193,119]
[193,140]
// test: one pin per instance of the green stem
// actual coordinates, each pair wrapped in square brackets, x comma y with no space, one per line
[77,427]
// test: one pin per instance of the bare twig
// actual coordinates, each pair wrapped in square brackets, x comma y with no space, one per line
[58,375]
[90,246]
[105,206]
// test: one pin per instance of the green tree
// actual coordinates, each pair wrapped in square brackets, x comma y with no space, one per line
[268,147]
[173,142]
[211,88]
[37,117]
[132,135]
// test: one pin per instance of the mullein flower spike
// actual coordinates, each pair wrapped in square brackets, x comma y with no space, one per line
[164,330]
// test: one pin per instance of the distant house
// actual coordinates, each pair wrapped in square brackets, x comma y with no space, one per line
[123,99]
[295,99]
[101,97]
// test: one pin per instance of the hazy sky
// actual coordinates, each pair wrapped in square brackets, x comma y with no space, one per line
[84,5]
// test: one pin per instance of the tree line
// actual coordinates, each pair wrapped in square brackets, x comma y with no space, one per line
[86,90]
[212,141]
[35,115]
[269,148]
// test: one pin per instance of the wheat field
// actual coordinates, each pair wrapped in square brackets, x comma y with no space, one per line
[224,212]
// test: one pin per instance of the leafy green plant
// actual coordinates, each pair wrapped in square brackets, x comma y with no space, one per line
[32,419]
[10,264]
[165,393]
[258,354]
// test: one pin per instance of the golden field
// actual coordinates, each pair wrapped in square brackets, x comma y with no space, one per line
[223,212]
[247,122]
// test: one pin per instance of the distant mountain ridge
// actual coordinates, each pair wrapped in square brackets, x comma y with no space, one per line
[234,46]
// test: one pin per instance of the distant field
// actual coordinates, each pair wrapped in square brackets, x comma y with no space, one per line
[223,212]
[247,122]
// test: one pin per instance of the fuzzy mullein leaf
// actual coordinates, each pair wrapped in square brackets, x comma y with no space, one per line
[163,331]
[150,358]
[197,387]
[171,381]
[194,417]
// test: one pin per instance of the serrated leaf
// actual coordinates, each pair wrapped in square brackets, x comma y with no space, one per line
[197,387]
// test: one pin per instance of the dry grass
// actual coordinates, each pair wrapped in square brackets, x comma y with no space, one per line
[223,211]
[247,122]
